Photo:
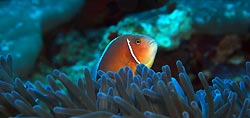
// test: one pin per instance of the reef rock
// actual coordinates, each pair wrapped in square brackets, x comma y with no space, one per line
[22,24]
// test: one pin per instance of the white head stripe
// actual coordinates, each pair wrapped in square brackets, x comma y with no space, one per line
[132,52]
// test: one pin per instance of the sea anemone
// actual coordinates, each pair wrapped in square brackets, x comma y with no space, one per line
[146,94]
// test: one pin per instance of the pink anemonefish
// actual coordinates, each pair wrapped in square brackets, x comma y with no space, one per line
[128,50]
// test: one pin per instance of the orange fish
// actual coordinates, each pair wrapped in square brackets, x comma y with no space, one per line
[128,50]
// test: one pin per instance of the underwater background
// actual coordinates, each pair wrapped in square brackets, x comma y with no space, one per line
[49,48]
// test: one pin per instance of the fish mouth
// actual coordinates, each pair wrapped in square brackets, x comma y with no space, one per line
[152,52]
[153,44]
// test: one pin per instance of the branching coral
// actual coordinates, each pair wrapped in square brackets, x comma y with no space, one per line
[146,94]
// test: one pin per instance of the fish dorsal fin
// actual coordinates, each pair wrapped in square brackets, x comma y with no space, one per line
[94,72]
[132,52]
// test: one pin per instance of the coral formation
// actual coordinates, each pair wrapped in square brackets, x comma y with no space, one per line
[218,16]
[146,94]
[23,22]
[75,51]
[226,47]
[209,17]
[167,29]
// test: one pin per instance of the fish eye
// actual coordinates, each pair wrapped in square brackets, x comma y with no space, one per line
[137,41]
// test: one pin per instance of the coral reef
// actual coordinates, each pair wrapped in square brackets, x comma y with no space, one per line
[218,16]
[146,94]
[75,51]
[211,37]
[206,17]
[226,47]
[109,12]
[69,52]
[76,46]
[167,29]
[23,22]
